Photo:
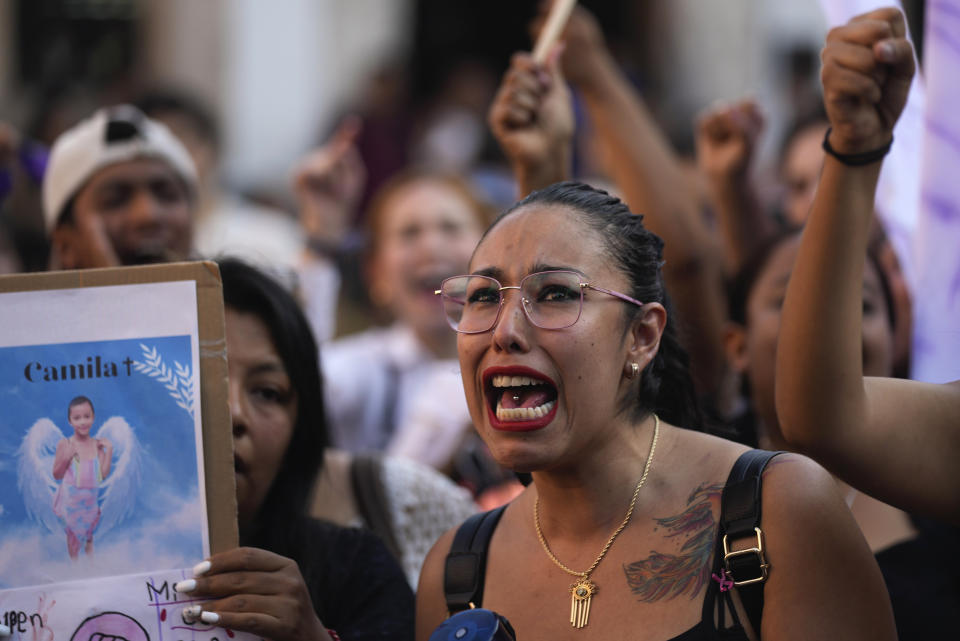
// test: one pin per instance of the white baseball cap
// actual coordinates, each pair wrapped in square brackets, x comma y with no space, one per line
[111,135]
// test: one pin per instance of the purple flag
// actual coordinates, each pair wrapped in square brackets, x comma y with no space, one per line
[918,198]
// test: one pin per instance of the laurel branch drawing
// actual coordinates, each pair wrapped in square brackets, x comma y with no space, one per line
[178,381]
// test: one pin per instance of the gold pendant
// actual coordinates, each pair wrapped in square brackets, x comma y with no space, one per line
[580,594]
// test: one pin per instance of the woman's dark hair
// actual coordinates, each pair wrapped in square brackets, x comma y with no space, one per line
[79,400]
[666,386]
[248,290]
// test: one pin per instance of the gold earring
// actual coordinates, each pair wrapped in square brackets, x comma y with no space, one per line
[633,371]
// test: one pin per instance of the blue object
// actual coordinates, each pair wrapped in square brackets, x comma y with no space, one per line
[477,624]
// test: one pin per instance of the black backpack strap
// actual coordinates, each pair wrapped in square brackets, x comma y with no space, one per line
[740,518]
[466,563]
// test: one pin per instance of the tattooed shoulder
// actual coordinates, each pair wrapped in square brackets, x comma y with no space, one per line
[667,576]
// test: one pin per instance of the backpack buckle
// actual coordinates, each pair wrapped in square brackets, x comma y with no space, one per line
[747,566]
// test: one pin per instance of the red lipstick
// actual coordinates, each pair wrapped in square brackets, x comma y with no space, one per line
[515,426]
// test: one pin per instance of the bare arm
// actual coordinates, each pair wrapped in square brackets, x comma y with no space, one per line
[637,154]
[726,140]
[893,439]
[638,157]
[431,602]
[61,459]
[328,183]
[532,119]
[824,582]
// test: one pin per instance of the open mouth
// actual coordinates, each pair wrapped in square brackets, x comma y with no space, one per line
[519,398]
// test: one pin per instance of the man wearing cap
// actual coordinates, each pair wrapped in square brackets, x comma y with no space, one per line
[119,190]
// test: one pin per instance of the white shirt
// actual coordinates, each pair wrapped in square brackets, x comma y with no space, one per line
[385,392]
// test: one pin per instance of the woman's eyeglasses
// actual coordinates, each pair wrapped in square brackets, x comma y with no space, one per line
[550,300]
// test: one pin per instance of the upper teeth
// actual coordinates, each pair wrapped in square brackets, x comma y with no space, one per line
[514,381]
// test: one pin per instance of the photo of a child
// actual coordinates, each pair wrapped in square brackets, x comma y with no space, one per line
[81,463]
[87,427]
[91,481]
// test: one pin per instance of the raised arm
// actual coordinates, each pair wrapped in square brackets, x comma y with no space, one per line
[726,138]
[639,159]
[328,183]
[532,120]
[893,439]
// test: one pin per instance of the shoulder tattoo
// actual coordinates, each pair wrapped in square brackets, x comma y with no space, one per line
[667,576]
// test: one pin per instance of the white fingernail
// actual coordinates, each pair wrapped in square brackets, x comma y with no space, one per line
[4,631]
[188,585]
[209,617]
[201,568]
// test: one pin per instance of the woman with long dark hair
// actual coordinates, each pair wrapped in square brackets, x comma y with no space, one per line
[296,578]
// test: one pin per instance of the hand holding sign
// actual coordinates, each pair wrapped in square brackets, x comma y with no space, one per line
[256,591]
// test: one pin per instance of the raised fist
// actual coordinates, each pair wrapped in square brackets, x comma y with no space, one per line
[867,68]
[328,183]
[531,115]
[727,137]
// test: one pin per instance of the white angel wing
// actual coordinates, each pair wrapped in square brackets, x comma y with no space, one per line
[35,472]
[121,485]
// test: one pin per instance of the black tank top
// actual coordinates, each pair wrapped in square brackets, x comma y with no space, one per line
[718,620]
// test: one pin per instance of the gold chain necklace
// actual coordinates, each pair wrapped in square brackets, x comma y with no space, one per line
[583,590]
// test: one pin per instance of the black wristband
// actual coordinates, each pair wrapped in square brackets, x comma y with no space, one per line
[856,160]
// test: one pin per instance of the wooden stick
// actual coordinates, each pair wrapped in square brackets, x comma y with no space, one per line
[556,21]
